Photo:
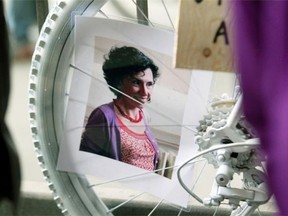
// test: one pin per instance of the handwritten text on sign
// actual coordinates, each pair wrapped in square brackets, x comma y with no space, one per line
[204,35]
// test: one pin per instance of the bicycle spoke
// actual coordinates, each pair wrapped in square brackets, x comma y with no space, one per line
[125,202]
[168,14]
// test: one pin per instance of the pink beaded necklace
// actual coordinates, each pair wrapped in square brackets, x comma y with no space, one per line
[127,116]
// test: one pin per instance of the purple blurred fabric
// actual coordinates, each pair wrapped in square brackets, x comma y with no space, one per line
[261,50]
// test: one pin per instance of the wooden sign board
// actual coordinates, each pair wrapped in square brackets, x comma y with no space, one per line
[204,38]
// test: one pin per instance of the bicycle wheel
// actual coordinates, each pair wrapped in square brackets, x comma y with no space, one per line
[50,80]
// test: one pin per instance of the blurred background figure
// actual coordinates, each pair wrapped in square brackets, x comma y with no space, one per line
[22,22]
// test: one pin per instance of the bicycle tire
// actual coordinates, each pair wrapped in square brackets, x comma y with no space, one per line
[54,45]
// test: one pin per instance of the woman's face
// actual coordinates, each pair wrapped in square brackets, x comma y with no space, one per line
[138,87]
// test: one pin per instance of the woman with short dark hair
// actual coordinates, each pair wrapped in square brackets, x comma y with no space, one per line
[119,129]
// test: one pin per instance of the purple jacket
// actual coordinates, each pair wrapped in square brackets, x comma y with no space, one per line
[102,135]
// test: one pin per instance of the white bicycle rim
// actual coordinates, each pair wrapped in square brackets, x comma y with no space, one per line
[54,46]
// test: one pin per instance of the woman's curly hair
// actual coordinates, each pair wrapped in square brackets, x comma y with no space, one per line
[122,62]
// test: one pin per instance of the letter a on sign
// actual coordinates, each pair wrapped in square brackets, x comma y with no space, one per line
[204,38]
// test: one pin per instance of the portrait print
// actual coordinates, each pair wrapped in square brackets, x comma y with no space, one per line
[143,111]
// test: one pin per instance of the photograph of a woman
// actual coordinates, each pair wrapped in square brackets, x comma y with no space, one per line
[119,129]
[118,105]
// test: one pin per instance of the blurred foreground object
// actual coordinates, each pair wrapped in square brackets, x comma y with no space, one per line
[9,161]
[262,63]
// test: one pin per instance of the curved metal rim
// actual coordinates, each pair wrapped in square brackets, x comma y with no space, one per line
[46,99]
